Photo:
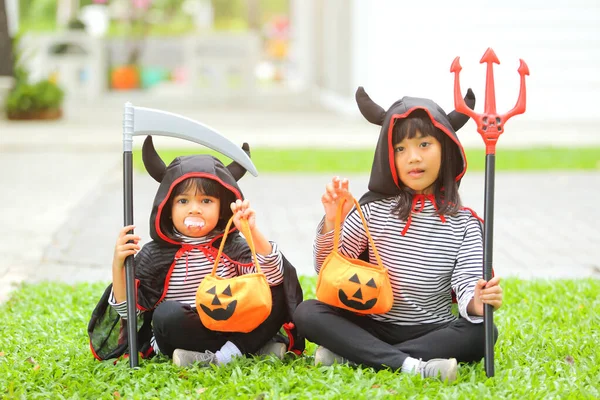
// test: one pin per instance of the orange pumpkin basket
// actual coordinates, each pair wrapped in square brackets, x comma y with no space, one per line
[237,304]
[353,284]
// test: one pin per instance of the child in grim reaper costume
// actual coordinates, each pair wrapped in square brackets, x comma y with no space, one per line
[196,198]
[430,245]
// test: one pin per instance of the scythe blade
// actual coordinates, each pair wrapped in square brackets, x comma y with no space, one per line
[149,121]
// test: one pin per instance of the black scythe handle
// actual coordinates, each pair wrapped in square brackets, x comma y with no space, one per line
[488,247]
[129,261]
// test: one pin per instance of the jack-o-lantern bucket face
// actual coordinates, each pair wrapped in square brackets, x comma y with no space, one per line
[358,295]
[354,284]
[220,312]
[237,304]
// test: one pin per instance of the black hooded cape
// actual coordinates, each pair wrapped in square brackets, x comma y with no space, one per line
[107,330]
[384,181]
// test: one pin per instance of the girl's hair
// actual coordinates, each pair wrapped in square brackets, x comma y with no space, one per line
[445,188]
[206,186]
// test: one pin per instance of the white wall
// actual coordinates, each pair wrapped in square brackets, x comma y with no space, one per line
[406,48]
[322,48]
[12,14]
[303,37]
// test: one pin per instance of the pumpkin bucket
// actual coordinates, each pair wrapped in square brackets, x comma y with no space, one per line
[353,284]
[237,304]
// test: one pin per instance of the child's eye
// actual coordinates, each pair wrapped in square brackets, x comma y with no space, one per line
[182,201]
[398,149]
[425,144]
[206,201]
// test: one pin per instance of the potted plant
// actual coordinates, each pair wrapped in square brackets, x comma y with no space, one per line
[39,100]
[136,27]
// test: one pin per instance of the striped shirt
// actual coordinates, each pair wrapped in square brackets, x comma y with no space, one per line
[434,256]
[192,264]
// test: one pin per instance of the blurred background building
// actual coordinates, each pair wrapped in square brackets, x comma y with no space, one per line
[398,47]
[6,56]
[282,74]
[313,52]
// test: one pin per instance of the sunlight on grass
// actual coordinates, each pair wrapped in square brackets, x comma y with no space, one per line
[360,160]
[548,348]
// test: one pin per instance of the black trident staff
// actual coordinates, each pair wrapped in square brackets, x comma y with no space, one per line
[490,126]
[147,121]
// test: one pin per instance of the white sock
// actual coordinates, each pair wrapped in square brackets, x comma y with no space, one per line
[227,352]
[410,365]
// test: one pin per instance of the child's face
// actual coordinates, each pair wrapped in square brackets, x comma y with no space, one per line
[195,214]
[418,162]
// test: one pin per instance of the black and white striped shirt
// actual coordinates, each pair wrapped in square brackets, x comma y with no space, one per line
[194,262]
[434,256]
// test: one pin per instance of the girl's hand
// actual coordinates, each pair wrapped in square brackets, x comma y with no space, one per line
[241,210]
[123,249]
[336,191]
[487,293]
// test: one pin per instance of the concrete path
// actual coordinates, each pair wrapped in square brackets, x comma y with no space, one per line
[532,237]
[62,195]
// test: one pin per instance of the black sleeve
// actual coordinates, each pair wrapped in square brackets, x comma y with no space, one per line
[152,263]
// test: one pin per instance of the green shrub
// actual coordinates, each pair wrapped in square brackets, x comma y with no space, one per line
[27,97]
[32,97]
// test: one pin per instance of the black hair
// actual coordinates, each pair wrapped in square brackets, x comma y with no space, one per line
[445,188]
[206,186]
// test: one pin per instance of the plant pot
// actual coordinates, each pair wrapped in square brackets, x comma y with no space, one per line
[49,114]
[126,77]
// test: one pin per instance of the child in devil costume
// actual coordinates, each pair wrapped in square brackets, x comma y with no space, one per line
[428,242]
[196,197]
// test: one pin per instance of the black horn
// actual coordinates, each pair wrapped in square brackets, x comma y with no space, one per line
[373,112]
[152,161]
[457,120]
[236,170]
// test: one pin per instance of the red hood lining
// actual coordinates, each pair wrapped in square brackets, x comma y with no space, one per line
[436,124]
[173,184]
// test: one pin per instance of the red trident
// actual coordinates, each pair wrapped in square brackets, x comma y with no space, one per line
[490,124]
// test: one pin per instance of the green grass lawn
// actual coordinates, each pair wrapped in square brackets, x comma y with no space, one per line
[548,348]
[360,160]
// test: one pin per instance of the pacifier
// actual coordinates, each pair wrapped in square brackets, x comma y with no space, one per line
[193,222]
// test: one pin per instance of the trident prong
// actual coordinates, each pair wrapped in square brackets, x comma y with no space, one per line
[459,103]
[490,124]
[520,106]
[489,57]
